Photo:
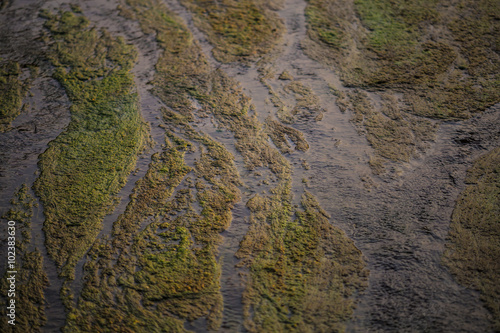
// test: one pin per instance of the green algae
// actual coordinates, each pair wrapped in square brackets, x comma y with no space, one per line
[85,166]
[13,90]
[323,25]
[476,28]
[21,212]
[395,135]
[110,298]
[222,97]
[168,267]
[31,279]
[180,69]
[238,30]
[395,28]
[440,55]
[159,268]
[473,247]
[229,108]
[280,134]
[391,48]
[275,214]
[302,271]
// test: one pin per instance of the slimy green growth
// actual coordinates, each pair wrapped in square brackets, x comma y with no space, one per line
[86,165]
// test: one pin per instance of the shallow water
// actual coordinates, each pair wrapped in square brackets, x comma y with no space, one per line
[399,221]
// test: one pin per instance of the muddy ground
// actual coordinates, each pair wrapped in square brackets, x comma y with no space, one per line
[399,220]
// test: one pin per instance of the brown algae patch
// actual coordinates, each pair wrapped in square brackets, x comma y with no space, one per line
[308,104]
[31,279]
[238,30]
[85,166]
[473,248]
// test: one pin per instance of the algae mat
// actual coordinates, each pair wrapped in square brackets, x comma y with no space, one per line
[249,166]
